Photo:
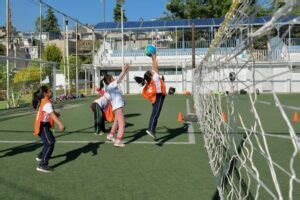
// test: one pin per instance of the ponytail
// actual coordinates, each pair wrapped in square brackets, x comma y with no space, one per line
[38,96]
[141,81]
[102,84]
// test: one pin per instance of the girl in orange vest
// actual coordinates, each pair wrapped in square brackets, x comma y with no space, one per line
[155,91]
[44,121]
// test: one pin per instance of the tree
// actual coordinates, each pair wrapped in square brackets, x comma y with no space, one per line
[193,9]
[37,24]
[49,23]
[51,53]
[117,13]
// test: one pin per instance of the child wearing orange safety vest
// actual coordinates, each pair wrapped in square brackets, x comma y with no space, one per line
[155,91]
[100,108]
[44,122]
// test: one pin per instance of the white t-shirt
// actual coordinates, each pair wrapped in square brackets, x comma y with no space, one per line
[47,109]
[156,80]
[117,100]
[102,101]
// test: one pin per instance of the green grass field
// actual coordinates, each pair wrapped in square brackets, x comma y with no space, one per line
[93,169]
[174,167]
[278,138]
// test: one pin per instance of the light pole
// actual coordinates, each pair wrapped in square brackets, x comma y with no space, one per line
[121,2]
[40,44]
[67,56]
[7,53]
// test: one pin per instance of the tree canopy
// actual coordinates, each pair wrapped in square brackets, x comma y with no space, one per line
[49,23]
[117,13]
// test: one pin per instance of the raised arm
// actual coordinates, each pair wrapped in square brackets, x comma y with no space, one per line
[154,63]
[123,73]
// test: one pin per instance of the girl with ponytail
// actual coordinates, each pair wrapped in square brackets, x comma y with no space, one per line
[44,122]
[155,91]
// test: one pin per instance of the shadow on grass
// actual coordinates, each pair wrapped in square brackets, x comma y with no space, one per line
[30,147]
[74,154]
[25,148]
[131,115]
[233,173]
[171,134]
[139,134]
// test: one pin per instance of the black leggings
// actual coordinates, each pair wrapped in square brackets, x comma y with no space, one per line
[156,109]
[99,120]
[48,140]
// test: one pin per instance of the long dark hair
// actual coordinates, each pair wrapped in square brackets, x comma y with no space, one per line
[38,96]
[142,81]
[106,79]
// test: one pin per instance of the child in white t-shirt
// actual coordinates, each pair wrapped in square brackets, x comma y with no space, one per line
[117,101]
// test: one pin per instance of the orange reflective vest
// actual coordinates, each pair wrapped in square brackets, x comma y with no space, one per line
[149,91]
[39,117]
[108,112]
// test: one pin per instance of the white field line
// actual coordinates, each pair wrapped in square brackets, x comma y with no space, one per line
[190,128]
[285,106]
[86,142]
[191,136]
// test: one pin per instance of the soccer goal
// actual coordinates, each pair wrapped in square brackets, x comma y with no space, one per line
[246,103]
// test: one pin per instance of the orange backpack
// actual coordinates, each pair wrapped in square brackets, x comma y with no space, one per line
[39,115]
[149,91]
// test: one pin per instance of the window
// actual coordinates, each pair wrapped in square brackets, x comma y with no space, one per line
[110,72]
[296,68]
[170,71]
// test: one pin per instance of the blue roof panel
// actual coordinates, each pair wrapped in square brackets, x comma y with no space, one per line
[153,24]
[180,23]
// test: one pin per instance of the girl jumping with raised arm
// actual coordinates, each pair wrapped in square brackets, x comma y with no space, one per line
[117,101]
[155,91]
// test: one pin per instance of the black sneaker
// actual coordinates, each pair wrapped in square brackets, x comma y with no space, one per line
[150,133]
[44,169]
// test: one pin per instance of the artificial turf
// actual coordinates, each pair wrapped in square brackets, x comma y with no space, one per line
[97,170]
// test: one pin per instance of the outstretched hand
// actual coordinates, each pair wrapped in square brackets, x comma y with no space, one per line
[126,68]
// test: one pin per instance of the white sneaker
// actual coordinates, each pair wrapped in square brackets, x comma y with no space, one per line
[110,138]
[119,143]
[150,133]
[44,169]
[38,159]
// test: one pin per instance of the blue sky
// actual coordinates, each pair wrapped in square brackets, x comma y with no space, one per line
[24,12]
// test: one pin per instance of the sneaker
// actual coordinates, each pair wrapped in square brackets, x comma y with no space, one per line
[44,169]
[101,133]
[150,133]
[38,159]
[110,138]
[119,143]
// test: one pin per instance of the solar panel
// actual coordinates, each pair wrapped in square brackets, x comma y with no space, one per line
[181,22]
[133,24]
[171,24]
[153,24]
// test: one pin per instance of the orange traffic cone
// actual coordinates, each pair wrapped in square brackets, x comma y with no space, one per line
[224,117]
[295,117]
[179,117]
